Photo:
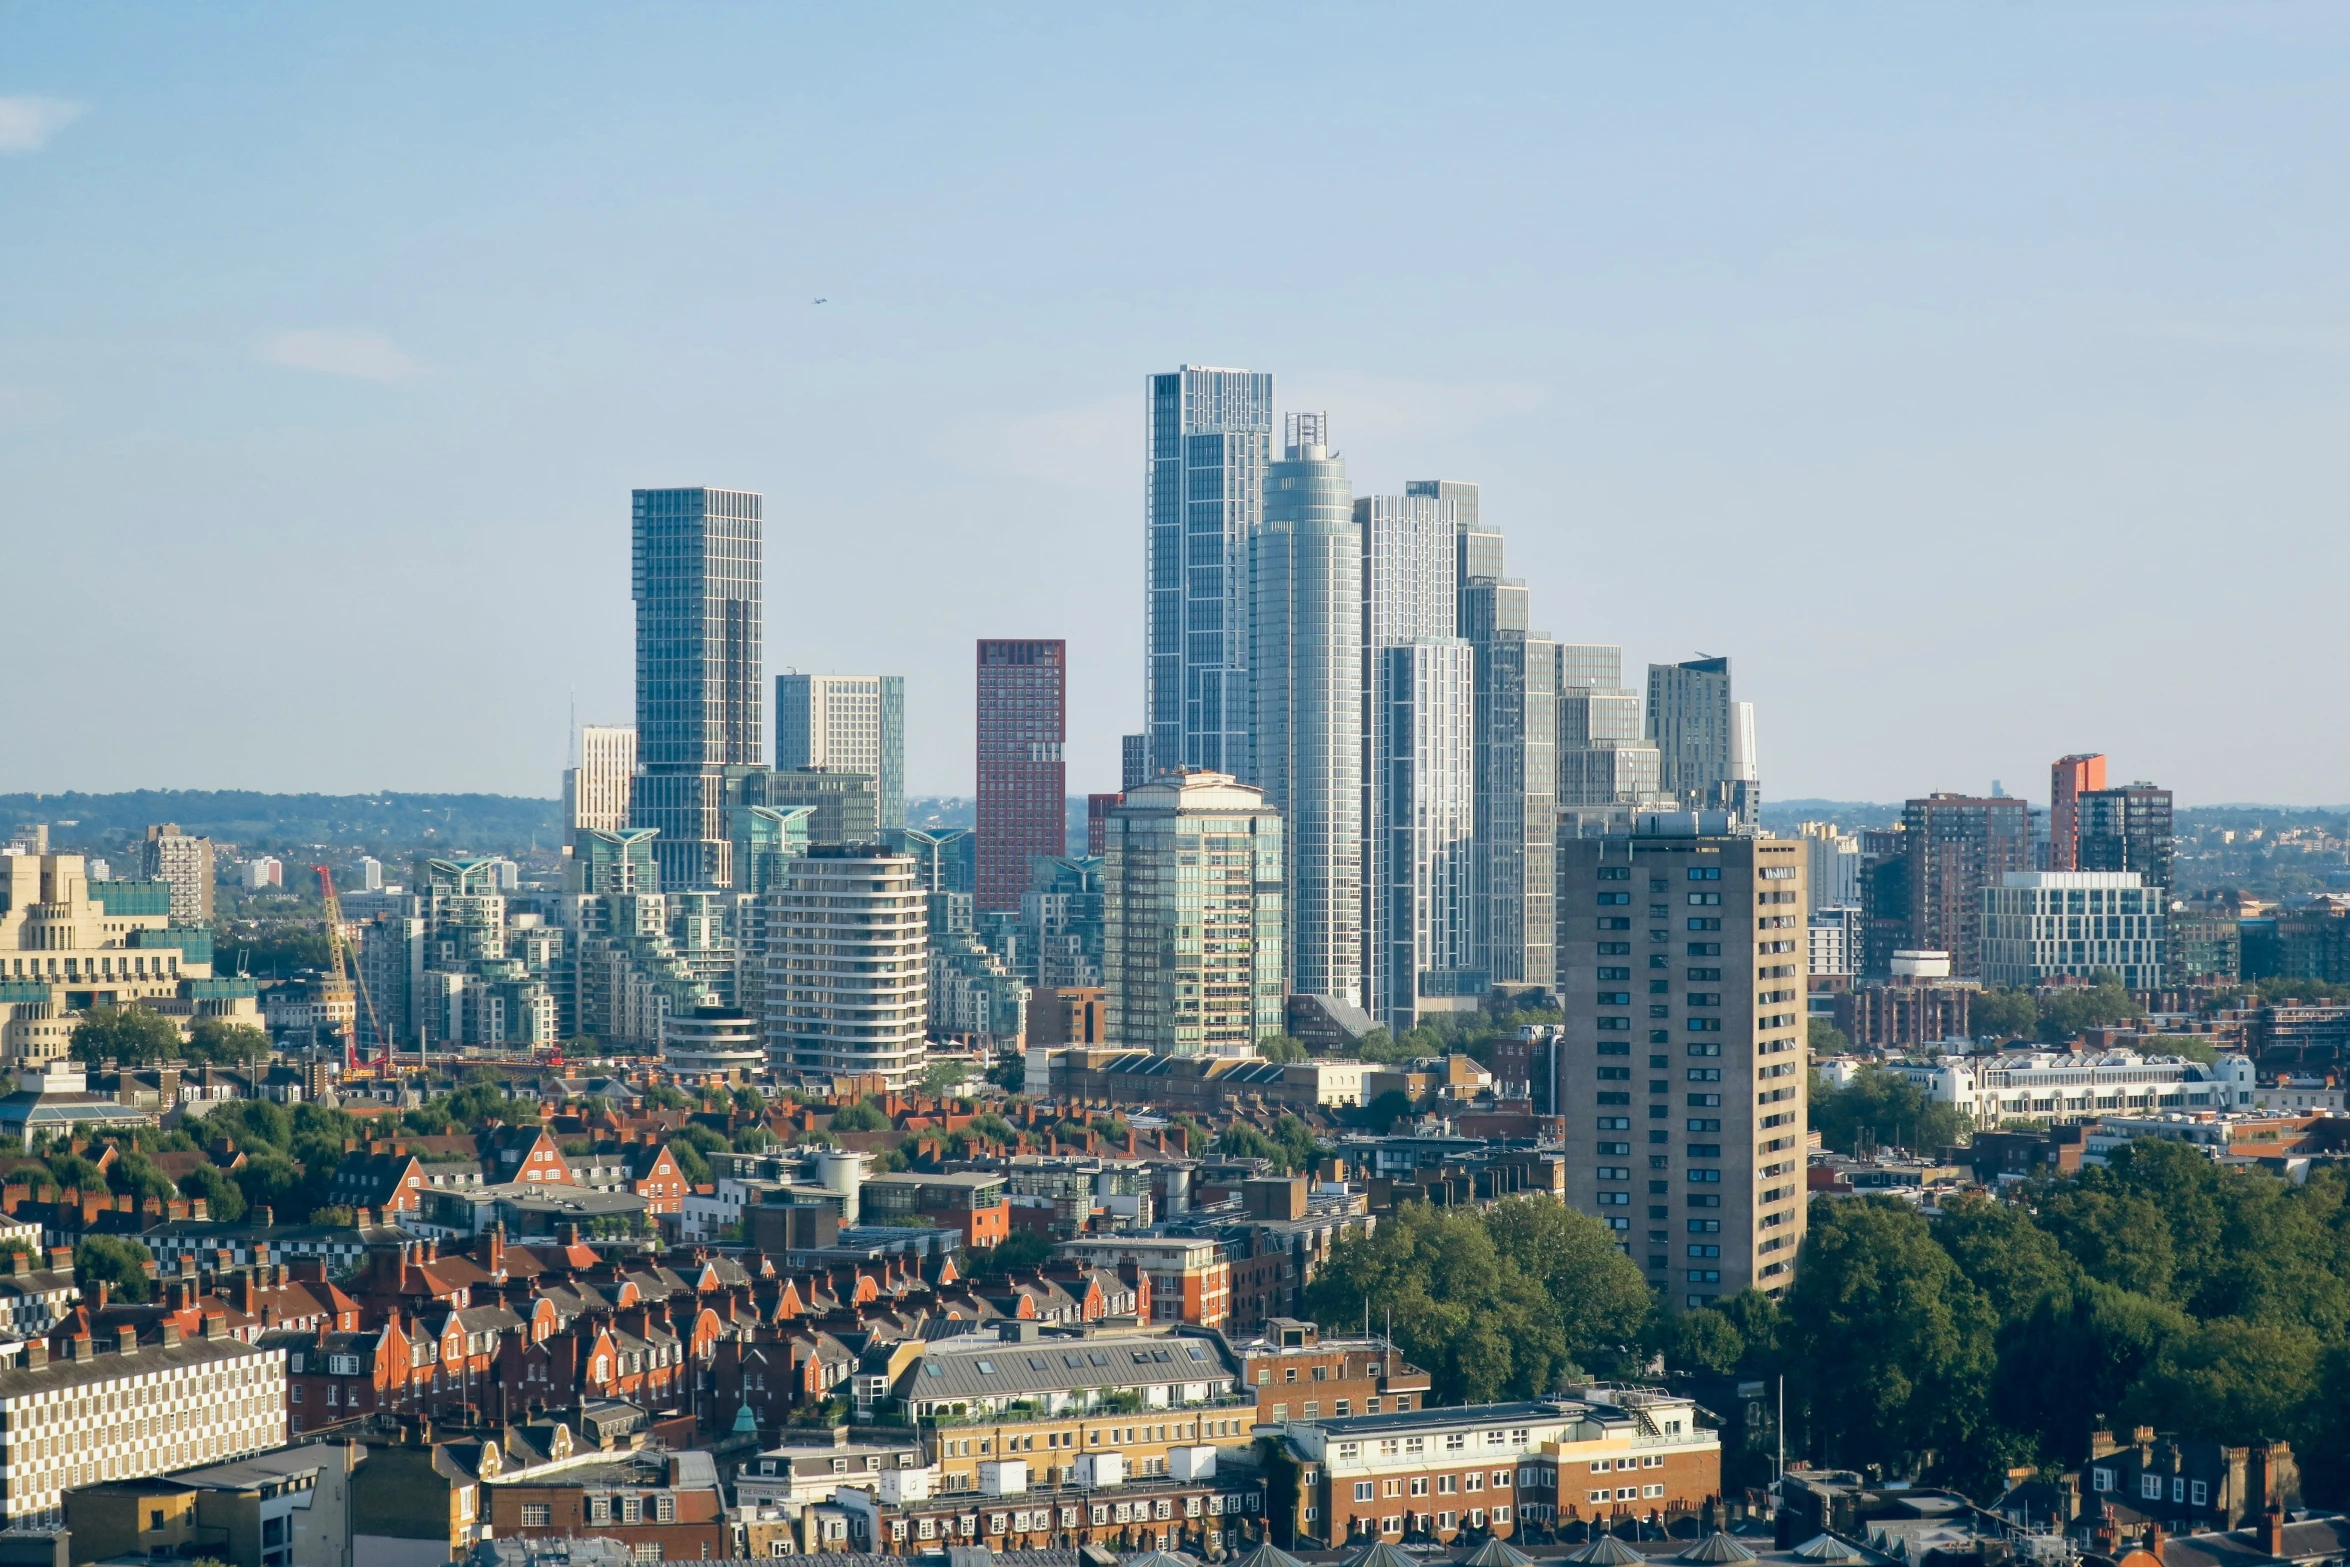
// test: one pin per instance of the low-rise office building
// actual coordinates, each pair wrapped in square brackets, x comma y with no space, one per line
[1600,1455]
[2043,925]
[2063,1086]
[132,1411]
[1191,1281]
[1295,1370]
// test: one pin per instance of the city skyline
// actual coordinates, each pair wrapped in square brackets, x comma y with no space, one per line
[1742,305]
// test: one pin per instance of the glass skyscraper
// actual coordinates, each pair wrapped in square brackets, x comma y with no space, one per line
[696,575]
[1419,810]
[1306,666]
[846,724]
[1209,439]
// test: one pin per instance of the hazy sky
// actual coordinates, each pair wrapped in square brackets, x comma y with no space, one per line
[1973,375]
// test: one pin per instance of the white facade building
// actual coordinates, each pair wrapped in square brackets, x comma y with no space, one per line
[1835,866]
[596,792]
[130,1411]
[2060,1087]
[2041,925]
[1835,936]
[848,966]
[846,724]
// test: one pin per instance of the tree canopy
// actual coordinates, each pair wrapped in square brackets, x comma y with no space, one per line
[2160,1289]
[1878,1108]
[130,1036]
[1501,1302]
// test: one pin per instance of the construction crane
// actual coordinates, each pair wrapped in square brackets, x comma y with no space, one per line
[336,992]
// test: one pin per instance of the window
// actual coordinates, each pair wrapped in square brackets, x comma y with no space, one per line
[2101,1479]
[647,1551]
[1705,873]
[2201,1492]
[1501,1479]
[537,1515]
[1419,1485]
[2150,1487]
[2178,1488]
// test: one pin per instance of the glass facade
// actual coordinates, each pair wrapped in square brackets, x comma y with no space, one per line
[846,724]
[697,578]
[1419,780]
[1209,439]
[1307,672]
[2038,925]
[1193,929]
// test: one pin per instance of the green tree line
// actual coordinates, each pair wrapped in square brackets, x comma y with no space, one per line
[2163,1290]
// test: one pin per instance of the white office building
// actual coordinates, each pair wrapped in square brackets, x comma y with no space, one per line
[2043,925]
[2063,1087]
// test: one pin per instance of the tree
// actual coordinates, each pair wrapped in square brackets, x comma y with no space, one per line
[1390,1107]
[218,1042]
[121,1263]
[1702,1340]
[135,1175]
[1599,1295]
[2066,1012]
[268,1179]
[249,1123]
[129,1036]
[940,1076]
[2075,1358]
[2230,1381]
[1016,1253]
[2116,1237]
[1759,1322]
[71,1170]
[1826,1039]
[1888,1348]
[2014,1262]
[1468,1302]
[1877,1107]
[220,1195]
[1282,1048]
[2003,1013]
[864,1117]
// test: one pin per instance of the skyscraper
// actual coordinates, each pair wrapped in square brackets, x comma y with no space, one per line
[1419,778]
[2127,828]
[699,586]
[1306,667]
[1134,760]
[1694,725]
[1023,783]
[1705,1187]
[846,724]
[596,792]
[1209,439]
[1192,919]
[1956,846]
[1516,753]
[1604,758]
[2068,779]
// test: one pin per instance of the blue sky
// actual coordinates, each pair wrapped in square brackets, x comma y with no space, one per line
[1973,376]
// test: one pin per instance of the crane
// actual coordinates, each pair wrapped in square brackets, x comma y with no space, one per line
[339,986]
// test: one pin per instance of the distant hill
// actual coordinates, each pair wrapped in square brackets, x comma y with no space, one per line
[1785,816]
[385,824]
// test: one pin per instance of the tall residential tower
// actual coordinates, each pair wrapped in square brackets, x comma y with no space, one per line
[696,575]
[1305,660]
[846,724]
[1210,437]
[1023,719]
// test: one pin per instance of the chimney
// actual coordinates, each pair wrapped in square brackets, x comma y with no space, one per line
[126,1340]
[83,1348]
[99,1289]
[2272,1528]
[215,1327]
[36,1353]
[171,1333]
